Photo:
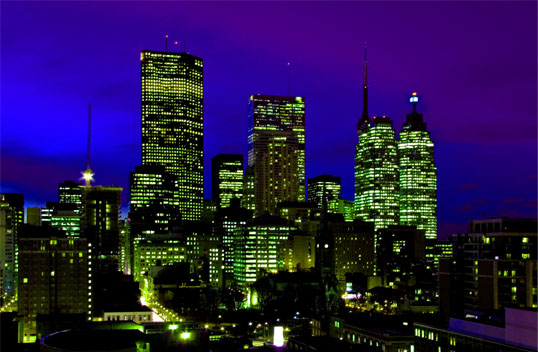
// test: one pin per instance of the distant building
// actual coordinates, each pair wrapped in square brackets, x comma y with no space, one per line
[33,216]
[8,272]
[227,220]
[276,150]
[70,192]
[494,266]
[256,248]
[353,249]
[154,202]
[172,123]
[226,178]
[304,215]
[101,225]
[67,217]
[328,186]
[157,253]
[418,175]
[11,219]
[346,207]
[248,201]
[399,251]
[298,252]
[54,275]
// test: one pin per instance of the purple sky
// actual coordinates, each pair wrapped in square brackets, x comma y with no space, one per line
[473,64]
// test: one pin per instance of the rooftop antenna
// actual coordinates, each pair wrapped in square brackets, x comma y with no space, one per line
[289,77]
[184,46]
[414,100]
[88,174]
[166,43]
[365,87]
[176,42]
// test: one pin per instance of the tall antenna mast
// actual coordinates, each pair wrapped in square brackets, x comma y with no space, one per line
[88,174]
[365,88]
[166,43]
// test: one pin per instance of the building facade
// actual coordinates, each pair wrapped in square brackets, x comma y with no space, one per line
[325,186]
[276,149]
[418,175]
[226,178]
[172,122]
[55,275]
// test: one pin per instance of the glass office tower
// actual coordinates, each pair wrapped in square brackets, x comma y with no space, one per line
[418,175]
[376,168]
[276,149]
[172,122]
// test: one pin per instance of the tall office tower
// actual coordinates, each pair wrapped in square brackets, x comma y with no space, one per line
[70,192]
[276,149]
[101,225]
[226,178]
[327,185]
[173,124]
[54,275]
[376,168]
[154,201]
[418,175]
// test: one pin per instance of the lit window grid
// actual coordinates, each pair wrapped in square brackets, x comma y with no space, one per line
[270,113]
[418,182]
[377,176]
[172,123]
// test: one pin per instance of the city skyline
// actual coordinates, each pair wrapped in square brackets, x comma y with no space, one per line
[483,166]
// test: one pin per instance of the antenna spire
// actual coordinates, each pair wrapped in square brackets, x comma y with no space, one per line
[365,88]
[166,43]
[88,174]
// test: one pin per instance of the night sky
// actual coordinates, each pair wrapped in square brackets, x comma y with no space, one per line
[472,63]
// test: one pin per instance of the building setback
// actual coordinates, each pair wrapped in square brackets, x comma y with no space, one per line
[226,178]
[418,175]
[276,150]
[172,123]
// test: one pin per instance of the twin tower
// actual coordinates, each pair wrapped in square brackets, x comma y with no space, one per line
[395,181]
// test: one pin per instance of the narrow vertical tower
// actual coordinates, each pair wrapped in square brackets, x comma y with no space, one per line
[418,174]
[376,167]
[88,174]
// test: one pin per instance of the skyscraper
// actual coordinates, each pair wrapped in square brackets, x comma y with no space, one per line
[376,168]
[227,178]
[172,122]
[418,175]
[276,149]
